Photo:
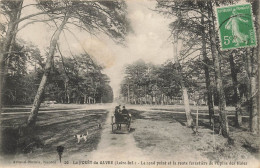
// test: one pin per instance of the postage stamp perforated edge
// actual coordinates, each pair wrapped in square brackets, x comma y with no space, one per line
[218,29]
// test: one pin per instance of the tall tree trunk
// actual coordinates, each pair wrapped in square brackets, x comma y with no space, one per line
[253,94]
[237,97]
[66,92]
[68,98]
[207,75]
[254,80]
[85,98]
[7,44]
[218,78]
[187,105]
[184,89]
[258,55]
[38,98]
[145,97]
[162,100]
[128,93]
[248,84]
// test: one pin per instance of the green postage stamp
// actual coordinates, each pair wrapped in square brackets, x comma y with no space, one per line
[236,26]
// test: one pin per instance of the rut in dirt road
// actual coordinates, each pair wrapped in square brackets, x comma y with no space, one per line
[116,147]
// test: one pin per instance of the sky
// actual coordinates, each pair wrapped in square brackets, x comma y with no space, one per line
[148,41]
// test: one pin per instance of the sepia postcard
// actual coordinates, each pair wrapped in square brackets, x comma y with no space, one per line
[130,83]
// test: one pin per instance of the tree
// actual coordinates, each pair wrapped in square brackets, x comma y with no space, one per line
[13,11]
[105,16]
[20,79]
[237,96]
[258,54]
[39,95]
[148,83]
[206,62]
[256,110]
[183,87]
[190,16]
[218,75]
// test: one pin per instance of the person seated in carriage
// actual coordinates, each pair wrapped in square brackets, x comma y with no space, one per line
[122,117]
[118,116]
[117,113]
[126,114]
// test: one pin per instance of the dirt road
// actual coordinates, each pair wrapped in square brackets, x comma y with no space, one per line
[116,147]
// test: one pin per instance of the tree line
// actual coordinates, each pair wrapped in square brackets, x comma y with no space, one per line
[146,83]
[73,80]
[200,70]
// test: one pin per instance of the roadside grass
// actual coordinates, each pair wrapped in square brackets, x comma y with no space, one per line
[52,130]
[164,134]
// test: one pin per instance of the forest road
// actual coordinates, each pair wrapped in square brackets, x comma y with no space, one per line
[117,147]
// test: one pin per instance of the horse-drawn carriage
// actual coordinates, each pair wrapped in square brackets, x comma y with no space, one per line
[119,119]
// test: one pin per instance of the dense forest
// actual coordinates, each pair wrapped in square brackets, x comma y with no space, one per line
[200,72]
[73,80]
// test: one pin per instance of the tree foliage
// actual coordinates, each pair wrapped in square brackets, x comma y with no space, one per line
[82,76]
